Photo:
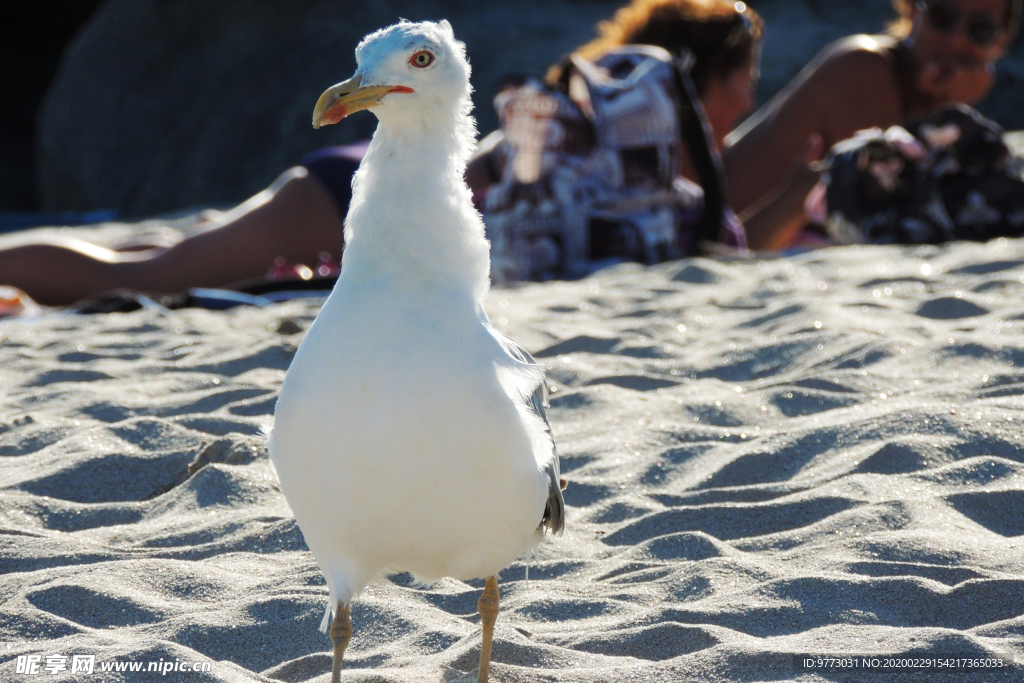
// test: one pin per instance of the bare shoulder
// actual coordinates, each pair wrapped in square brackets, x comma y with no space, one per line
[859,57]
[856,80]
[845,72]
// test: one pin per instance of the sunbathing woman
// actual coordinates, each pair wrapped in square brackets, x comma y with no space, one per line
[938,52]
[300,216]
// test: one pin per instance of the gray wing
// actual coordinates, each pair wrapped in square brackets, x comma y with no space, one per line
[554,510]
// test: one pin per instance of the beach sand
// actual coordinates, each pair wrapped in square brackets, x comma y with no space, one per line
[818,453]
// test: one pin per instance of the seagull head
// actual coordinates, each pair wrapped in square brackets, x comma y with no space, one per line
[414,71]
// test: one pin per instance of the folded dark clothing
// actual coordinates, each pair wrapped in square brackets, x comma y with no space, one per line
[948,176]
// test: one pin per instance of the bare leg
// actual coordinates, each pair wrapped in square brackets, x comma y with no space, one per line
[296,218]
[488,608]
[341,633]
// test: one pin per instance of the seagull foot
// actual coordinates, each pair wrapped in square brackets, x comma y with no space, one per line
[341,633]
[488,608]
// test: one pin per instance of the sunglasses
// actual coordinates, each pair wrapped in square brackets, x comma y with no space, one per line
[982,29]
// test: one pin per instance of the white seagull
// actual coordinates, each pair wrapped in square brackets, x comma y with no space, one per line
[410,435]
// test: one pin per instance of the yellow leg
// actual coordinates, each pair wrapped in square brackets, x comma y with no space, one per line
[488,608]
[341,633]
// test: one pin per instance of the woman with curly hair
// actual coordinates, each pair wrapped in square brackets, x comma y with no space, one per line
[937,52]
[723,36]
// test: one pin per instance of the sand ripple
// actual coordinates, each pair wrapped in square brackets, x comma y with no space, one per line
[819,453]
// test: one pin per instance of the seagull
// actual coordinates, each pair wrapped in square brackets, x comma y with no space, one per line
[410,435]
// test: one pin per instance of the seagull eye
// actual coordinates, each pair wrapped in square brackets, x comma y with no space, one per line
[422,59]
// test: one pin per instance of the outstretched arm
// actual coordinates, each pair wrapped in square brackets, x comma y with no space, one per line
[774,221]
[849,86]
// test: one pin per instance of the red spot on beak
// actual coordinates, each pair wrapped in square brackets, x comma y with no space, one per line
[334,114]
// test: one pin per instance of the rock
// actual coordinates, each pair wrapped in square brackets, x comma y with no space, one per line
[232,450]
[288,326]
[162,105]
[32,39]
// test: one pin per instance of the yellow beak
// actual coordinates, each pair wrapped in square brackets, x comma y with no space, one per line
[346,98]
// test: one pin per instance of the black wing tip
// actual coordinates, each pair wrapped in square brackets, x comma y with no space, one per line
[554,511]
